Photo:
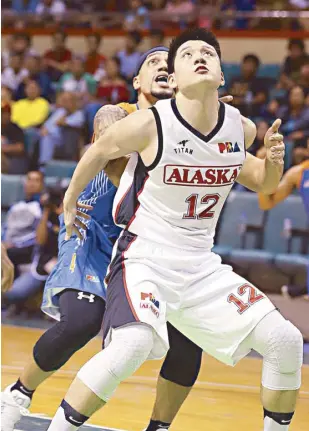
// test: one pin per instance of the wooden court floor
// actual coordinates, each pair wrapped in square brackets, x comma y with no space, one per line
[224,398]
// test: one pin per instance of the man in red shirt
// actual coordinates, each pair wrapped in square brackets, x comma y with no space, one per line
[56,60]
[94,60]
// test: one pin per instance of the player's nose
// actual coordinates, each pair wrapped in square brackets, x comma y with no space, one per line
[199,59]
[162,67]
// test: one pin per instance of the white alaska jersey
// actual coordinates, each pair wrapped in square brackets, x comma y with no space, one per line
[177,200]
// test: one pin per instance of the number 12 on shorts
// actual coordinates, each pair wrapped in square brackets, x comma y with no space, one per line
[253,297]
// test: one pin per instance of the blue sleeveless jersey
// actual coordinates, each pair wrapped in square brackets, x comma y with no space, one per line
[304,187]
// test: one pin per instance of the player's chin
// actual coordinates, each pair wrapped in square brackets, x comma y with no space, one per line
[162,93]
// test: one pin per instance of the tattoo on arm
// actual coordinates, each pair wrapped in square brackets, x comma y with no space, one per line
[105,117]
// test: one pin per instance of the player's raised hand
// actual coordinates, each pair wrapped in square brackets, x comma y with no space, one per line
[273,141]
[71,211]
[226,99]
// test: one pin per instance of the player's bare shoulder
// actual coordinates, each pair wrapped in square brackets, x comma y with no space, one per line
[249,131]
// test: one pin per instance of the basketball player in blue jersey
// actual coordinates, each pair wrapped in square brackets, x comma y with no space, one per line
[296,177]
[162,268]
[75,287]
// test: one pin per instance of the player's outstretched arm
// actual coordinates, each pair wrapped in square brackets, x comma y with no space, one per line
[287,184]
[131,134]
[264,175]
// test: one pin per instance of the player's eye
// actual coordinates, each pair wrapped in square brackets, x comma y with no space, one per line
[153,61]
[187,54]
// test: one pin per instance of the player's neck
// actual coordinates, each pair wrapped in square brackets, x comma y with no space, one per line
[145,102]
[202,112]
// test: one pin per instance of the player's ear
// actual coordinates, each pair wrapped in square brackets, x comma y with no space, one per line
[136,83]
[222,83]
[172,81]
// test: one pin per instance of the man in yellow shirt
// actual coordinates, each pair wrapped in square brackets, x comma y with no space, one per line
[31,111]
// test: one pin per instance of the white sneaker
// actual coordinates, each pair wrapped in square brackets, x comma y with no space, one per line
[14,404]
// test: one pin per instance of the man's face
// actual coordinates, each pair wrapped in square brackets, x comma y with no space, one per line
[32,90]
[58,41]
[16,62]
[249,68]
[92,43]
[295,51]
[297,97]
[32,64]
[152,77]
[196,64]
[130,43]
[68,101]
[77,67]
[20,45]
[34,183]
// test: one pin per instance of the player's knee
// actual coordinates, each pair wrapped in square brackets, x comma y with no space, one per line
[286,343]
[81,330]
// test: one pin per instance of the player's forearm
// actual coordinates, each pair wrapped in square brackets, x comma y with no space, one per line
[89,166]
[270,177]
[265,201]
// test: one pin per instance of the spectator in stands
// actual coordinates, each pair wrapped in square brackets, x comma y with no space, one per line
[22,45]
[248,90]
[180,11]
[22,6]
[295,119]
[31,111]
[45,258]
[137,16]
[129,56]
[6,96]
[294,61]
[57,59]
[54,8]
[13,75]
[19,233]
[62,130]
[156,37]
[78,79]
[304,78]
[113,89]
[7,50]
[33,65]
[13,153]
[94,61]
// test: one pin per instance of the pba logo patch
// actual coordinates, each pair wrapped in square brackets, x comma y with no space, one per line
[150,302]
[73,263]
[228,147]
[93,278]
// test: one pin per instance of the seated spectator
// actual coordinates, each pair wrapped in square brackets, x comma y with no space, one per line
[113,89]
[57,59]
[137,16]
[130,55]
[78,79]
[22,45]
[22,6]
[304,79]
[294,61]
[45,257]
[6,96]
[295,120]
[7,50]
[248,90]
[94,61]
[14,74]
[62,130]
[31,111]
[33,65]
[14,160]
[156,37]
[54,8]
[19,233]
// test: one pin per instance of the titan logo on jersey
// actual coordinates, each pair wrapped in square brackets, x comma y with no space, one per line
[228,147]
[211,176]
[149,301]
[182,149]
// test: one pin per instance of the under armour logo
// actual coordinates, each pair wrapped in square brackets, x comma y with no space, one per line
[81,296]
[183,143]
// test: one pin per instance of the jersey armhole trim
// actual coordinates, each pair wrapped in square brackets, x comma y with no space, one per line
[160,140]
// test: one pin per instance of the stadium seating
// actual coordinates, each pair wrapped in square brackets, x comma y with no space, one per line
[230,70]
[60,168]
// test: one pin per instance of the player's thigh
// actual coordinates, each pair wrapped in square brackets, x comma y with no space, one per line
[220,311]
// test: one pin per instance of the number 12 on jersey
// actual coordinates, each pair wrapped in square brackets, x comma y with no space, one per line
[207,213]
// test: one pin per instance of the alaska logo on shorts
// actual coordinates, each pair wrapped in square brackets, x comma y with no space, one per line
[201,176]
[73,263]
[93,278]
[228,147]
[149,301]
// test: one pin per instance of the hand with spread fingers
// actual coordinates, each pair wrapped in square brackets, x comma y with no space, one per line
[273,141]
[72,214]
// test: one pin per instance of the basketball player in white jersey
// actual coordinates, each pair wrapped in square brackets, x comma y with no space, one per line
[188,152]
